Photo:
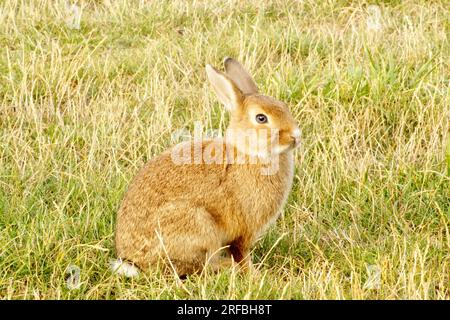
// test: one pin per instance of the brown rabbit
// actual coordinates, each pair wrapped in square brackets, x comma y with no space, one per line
[210,208]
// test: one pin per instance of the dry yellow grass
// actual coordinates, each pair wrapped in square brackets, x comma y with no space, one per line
[82,109]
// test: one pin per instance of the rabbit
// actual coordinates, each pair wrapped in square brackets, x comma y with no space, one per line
[210,213]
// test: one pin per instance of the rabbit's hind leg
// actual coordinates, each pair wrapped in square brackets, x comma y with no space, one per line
[189,239]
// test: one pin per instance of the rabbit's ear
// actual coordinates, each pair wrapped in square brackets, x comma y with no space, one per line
[227,92]
[240,76]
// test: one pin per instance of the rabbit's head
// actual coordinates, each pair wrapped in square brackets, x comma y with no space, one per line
[259,125]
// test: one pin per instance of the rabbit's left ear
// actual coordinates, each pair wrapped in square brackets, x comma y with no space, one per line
[240,76]
[226,90]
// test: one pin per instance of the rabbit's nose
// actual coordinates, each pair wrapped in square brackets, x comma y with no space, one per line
[295,135]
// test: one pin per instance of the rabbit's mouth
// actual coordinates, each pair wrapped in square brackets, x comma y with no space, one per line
[295,143]
[286,147]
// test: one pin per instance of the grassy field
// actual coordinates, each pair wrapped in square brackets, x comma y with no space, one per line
[82,109]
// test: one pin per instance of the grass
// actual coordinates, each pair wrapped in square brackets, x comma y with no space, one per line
[81,110]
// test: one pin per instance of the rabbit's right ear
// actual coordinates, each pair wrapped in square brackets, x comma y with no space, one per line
[240,76]
[227,92]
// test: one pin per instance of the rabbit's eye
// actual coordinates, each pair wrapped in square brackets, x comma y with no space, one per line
[261,118]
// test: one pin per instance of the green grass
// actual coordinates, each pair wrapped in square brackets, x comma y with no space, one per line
[82,110]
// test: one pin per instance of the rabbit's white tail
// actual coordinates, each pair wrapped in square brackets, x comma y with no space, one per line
[124,268]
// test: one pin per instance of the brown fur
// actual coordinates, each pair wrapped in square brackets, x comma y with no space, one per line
[183,214]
